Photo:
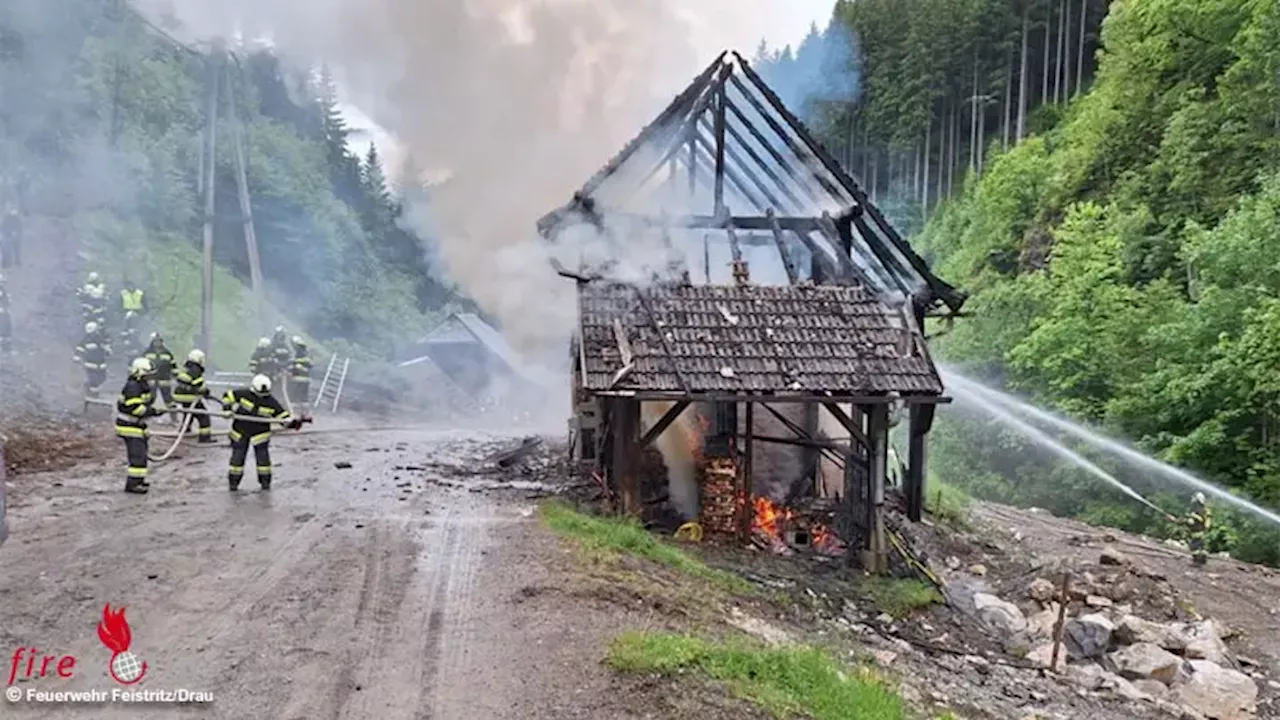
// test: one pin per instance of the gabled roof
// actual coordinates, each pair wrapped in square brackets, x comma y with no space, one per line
[470,328]
[726,153]
[750,339]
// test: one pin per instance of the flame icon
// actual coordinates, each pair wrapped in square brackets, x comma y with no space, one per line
[114,632]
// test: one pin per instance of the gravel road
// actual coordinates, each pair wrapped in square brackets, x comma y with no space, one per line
[366,592]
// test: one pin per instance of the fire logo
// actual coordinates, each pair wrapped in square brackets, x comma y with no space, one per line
[113,631]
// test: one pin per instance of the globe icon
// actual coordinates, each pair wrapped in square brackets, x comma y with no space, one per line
[125,667]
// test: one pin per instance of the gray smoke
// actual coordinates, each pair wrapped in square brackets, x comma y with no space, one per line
[520,101]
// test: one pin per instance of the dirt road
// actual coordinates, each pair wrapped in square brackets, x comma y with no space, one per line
[369,592]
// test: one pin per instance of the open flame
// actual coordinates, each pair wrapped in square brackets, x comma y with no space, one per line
[771,521]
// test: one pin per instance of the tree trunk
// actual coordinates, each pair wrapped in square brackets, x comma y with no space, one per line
[1008,105]
[866,149]
[973,117]
[924,185]
[875,172]
[1084,18]
[1057,64]
[982,133]
[915,182]
[1066,49]
[1044,66]
[955,151]
[1022,73]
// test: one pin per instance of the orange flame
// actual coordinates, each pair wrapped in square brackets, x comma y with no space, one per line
[770,520]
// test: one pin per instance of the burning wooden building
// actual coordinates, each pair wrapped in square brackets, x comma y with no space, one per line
[832,338]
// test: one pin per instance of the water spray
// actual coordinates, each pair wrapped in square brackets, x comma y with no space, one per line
[1009,403]
[974,391]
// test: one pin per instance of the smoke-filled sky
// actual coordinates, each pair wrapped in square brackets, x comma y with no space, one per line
[520,100]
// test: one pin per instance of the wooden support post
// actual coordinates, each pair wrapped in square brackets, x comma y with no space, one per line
[720,209]
[210,181]
[919,422]
[663,423]
[877,552]
[811,464]
[625,427]
[1061,623]
[747,509]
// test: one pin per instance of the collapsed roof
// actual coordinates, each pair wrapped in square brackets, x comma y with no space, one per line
[739,163]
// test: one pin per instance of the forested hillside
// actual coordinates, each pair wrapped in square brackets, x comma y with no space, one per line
[1119,233]
[103,119]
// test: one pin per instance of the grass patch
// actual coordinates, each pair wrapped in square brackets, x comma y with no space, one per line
[899,597]
[610,536]
[947,503]
[787,682]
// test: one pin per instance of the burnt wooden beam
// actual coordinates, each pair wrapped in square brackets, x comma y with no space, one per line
[679,137]
[892,262]
[779,396]
[670,112]
[787,263]
[736,160]
[847,423]
[948,293]
[919,422]
[626,433]
[735,248]
[797,442]
[664,422]
[729,173]
[719,143]
[837,193]
[783,187]
[748,471]
[827,229]
[797,179]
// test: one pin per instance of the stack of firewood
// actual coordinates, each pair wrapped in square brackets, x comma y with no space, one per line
[720,497]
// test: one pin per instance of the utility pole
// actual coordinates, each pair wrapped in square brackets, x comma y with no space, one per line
[210,166]
[246,212]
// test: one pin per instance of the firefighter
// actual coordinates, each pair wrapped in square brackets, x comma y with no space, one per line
[257,401]
[130,345]
[190,392]
[162,364]
[11,239]
[263,358]
[90,281]
[6,321]
[132,298]
[300,373]
[281,352]
[93,305]
[93,352]
[132,411]
[1198,521]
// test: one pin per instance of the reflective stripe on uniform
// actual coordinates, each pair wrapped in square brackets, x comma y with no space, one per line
[260,438]
[263,469]
[137,472]
[131,431]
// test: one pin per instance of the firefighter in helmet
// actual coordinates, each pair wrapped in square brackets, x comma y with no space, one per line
[255,401]
[92,354]
[133,409]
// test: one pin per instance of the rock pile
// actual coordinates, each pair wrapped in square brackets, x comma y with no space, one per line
[1105,646]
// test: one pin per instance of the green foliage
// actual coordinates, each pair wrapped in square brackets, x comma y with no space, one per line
[611,537]
[1123,272]
[788,682]
[899,597]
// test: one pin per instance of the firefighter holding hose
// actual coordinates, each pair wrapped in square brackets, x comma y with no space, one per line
[162,361]
[133,409]
[190,391]
[254,401]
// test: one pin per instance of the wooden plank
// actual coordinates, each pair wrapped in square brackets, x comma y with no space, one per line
[847,423]
[663,423]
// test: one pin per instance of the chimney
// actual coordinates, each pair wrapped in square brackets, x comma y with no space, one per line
[741,273]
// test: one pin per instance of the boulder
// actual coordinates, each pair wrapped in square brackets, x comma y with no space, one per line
[1145,661]
[1204,642]
[1042,656]
[1041,590]
[1153,688]
[1111,556]
[1218,693]
[1042,623]
[1088,636]
[999,615]
[1132,630]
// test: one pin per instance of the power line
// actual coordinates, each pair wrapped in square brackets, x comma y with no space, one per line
[164,34]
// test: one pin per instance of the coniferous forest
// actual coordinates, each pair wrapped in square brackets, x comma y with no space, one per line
[1102,178]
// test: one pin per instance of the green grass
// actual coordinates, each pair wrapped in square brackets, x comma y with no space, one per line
[610,536]
[947,502]
[899,597]
[787,682]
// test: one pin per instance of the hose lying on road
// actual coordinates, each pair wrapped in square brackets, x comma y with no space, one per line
[182,430]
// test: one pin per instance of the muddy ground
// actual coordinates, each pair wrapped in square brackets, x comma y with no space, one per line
[397,573]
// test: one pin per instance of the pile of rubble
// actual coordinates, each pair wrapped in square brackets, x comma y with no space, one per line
[1183,666]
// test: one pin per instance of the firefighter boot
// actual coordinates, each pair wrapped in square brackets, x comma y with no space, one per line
[206,440]
[137,486]
[265,481]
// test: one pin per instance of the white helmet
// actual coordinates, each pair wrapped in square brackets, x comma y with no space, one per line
[91,327]
[280,329]
[297,339]
[155,336]
[261,384]
[264,342]
[196,356]
[94,291]
[93,277]
[140,367]
[1198,498]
